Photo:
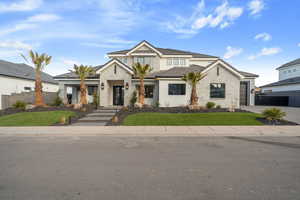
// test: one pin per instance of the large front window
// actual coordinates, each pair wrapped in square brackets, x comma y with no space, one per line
[143,60]
[149,89]
[176,89]
[176,61]
[217,90]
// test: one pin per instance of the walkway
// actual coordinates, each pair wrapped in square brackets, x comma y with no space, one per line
[292,113]
[97,118]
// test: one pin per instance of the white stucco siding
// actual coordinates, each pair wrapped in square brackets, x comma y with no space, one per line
[290,87]
[9,85]
[166,100]
[289,72]
[232,88]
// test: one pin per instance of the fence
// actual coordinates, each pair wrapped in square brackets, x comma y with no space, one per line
[27,97]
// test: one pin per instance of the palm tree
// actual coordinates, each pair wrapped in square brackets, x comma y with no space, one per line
[40,62]
[83,72]
[193,78]
[141,71]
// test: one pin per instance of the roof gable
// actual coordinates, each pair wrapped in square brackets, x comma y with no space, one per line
[142,45]
[294,62]
[116,61]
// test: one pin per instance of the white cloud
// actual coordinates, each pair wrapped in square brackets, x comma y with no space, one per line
[266,52]
[15,45]
[69,62]
[298,44]
[231,52]
[16,28]
[256,6]
[221,17]
[21,5]
[109,43]
[263,36]
[43,18]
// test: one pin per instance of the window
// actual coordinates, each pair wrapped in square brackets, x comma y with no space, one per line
[182,61]
[143,60]
[27,88]
[176,61]
[148,90]
[92,90]
[169,61]
[115,69]
[123,60]
[176,89]
[217,90]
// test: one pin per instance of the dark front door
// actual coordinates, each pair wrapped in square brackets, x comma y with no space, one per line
[244,94]
[118,95]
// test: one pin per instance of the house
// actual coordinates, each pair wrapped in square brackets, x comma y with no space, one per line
[18,78]
[288,85]
[115,80]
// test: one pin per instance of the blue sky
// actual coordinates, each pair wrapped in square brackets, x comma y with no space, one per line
[253,35]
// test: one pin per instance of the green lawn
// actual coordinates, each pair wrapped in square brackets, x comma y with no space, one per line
[191,119]
[34,118]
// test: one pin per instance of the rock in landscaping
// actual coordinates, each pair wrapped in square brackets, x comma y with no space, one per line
[195,107]
[115,119]
[29,107]
[138,105]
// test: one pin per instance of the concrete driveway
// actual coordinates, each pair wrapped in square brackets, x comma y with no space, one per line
[293,113]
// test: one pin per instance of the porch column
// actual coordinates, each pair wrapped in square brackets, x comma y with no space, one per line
[63,92]
[74,95]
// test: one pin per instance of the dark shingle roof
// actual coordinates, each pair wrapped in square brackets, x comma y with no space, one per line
[294,80]
[167,51]
[22,71]
[73,75]
[294,62]
[247,74]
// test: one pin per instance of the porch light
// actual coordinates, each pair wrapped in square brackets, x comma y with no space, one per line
[102,86]
[126,86]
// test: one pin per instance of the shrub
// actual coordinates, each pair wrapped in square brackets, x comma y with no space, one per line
[20,105]
[218,107]
[273,114]
[96,101]
[57,101]
[133,99]
[210,105]
[156,105]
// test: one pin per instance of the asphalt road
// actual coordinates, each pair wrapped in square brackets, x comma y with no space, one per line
[111,168]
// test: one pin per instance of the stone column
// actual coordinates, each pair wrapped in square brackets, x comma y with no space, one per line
[63,92]
[74,95]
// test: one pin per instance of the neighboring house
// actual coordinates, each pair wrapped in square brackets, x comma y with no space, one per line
[18,78]
[288,85]
[115,81]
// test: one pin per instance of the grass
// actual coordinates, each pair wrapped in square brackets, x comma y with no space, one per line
[34,118]
[191,119]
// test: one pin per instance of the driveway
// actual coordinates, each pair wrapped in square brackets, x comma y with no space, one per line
[293,113]
[137,168]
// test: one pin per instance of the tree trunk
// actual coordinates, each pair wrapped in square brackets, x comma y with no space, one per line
[83,99]
[194,97]
[142,92]
[39,101]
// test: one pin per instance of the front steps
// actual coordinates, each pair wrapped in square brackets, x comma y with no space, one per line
[98,117]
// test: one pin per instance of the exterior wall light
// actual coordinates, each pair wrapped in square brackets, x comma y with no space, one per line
[102,86]
[127,86]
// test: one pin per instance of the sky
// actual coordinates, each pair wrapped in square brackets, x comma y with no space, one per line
[253,35]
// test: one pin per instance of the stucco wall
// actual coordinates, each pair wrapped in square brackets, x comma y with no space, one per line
[107,76]
[232,90]
[9,85]
[290,87]
[289,72]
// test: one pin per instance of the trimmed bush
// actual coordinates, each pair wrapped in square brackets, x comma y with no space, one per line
[218,107]
[20,105]
[133,99]
[273,114]
[210,105]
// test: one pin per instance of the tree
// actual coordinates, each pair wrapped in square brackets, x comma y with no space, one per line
[39,62]
[141,71]
[193,78]
[83,72]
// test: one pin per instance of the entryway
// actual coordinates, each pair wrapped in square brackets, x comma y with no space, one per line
[118,95]
[244,93]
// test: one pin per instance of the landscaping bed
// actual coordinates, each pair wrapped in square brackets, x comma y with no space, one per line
[182,116]
[11,113]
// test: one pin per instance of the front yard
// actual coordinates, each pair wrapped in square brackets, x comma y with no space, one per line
[45,118]
[192,119]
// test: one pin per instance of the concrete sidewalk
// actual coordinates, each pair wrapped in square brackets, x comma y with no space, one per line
[153,131]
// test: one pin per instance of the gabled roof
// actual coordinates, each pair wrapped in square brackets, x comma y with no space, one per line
[22,71]
[294,62]
[165,51]
[115,60]
[295,80]
[72,75]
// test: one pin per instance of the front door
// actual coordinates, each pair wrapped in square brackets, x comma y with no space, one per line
[118,95]
[244,94]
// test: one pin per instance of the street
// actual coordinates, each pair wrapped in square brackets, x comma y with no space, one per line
[140,168]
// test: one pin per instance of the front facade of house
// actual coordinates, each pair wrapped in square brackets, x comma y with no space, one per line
[115,81]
